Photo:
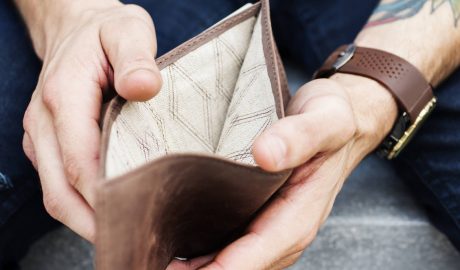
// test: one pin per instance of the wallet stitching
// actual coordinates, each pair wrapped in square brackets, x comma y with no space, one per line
[285,94]
[273,64]
[208,34]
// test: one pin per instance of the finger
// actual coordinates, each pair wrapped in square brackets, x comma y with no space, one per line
[322,121]
[130,45]
[29,149]
[74,102]
[61,200]
[277,234]
[290,223]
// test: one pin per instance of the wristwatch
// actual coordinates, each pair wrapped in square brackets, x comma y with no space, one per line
[413,94]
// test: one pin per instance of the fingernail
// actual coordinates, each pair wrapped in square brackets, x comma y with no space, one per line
[277,149]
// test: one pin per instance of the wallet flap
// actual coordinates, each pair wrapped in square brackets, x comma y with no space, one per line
[190,213]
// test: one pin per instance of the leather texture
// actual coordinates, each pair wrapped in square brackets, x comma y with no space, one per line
[402,79]
[178,176]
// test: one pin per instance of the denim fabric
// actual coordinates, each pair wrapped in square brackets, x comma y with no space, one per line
[22,215]
[307,31]
[431,163]
[19,69]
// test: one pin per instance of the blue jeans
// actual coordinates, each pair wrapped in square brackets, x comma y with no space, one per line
[431,164]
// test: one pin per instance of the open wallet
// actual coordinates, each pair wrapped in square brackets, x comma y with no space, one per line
[179,178]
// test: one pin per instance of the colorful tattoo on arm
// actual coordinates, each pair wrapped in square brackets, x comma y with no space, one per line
[395,10]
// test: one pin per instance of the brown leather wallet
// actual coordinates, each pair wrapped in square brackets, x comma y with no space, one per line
[412,92]
[179,178]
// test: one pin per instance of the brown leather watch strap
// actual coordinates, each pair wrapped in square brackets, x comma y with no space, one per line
[402,79]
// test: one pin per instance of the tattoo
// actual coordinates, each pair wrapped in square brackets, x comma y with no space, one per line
[396,10]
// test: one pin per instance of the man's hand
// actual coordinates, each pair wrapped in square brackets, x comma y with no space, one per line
[332,125]
[86,47]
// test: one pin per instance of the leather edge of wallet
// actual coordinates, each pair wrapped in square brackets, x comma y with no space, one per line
[276,74]
[105,217]
[206,36]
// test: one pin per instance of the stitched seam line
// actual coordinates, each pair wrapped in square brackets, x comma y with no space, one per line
[208,34]
[273,64]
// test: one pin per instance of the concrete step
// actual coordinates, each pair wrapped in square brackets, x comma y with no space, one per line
[376,224]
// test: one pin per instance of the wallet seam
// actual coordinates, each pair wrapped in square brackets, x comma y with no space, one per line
[206,36]
[268,48]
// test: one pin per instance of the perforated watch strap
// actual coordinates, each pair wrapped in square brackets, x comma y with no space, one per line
[402,79]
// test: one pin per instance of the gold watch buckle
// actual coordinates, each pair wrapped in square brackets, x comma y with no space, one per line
[410,132]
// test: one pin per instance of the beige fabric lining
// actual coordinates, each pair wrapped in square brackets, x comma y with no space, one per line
[216,100]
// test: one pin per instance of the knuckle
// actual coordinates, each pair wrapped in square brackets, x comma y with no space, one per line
[50,94]
[26,146]
[137,11]
[130,23]
[133,19]
[28,120]
[136,16]
[72,167]
[53,206]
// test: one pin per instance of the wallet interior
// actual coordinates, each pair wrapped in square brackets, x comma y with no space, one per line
[215,99]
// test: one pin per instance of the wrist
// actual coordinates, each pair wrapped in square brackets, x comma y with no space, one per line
[367,38]
[374,107]
[428,57]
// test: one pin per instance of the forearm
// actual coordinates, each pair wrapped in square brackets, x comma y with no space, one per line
[424,32]
[44,18]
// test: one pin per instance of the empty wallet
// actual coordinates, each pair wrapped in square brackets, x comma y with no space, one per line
[179,178]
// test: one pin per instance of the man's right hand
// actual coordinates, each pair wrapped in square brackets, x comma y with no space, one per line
[86,47]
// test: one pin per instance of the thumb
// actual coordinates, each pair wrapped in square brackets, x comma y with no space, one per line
[322,120]
[130,45]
